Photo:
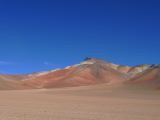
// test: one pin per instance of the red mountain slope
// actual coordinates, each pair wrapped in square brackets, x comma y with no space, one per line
[91,71]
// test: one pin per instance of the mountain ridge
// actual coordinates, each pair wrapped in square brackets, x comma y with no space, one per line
[88,72]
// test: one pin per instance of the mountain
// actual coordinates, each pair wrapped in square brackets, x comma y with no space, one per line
[150,78]
[10,82]
[89,72]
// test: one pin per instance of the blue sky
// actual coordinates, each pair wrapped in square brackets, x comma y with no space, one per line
[37,35]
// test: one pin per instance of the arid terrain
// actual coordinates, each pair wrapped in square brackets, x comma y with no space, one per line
[91,71]
[80,103]
[91,90]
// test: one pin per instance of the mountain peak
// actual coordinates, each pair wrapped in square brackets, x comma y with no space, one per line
[94,60]
[91,60]
[88,58]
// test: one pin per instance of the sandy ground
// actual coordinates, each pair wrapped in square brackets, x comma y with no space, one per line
[82,103]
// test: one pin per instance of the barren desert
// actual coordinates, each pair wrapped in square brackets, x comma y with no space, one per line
[79,60]
[97,102]
[91,90]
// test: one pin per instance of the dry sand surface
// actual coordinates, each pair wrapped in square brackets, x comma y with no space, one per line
[81,103]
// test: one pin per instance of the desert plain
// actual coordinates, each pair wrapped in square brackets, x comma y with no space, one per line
[98,102]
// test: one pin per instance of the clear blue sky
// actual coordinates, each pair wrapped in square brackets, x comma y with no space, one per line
[37,35]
